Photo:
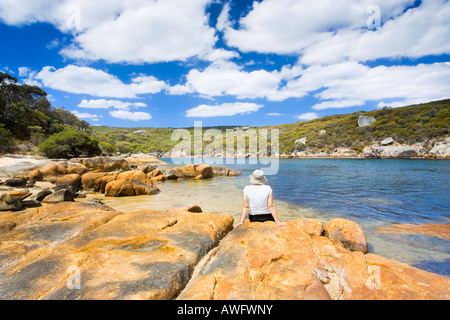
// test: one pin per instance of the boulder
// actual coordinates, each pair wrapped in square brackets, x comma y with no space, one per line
[135,175]
[387,141]
[119,188]
[103,164]
[160,177]
[190,170]
[300,141]
[10,203]
[96,181]
[368,153]
[381,152]
[78,168]
[146,168]
[220,171]
[19,195]
[53,170]
[42,194]
[364,121]
[154,173]
[204,171]
[440,151]
[35,175]
[347,232]
[144,188]
[70,182]
[16,182]
[142,183]
[175,174]
[403,152]
[31,203]
[59,196]
[127,183]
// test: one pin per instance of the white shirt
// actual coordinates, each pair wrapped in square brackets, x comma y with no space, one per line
[257,197]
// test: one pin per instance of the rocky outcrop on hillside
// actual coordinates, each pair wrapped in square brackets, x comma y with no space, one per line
[385,149]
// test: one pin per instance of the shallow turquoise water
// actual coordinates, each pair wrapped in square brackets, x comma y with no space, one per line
[371,192]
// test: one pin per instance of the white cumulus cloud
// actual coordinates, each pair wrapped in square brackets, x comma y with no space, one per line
[121,30]
[85,115]
[128,115]
[307,116]
[291,26]
[106,104]
[86,80]
[227,78]
[225,109]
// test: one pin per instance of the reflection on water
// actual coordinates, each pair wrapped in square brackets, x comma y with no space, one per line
[372,193]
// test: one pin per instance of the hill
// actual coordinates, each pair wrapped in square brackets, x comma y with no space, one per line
[423,123]
[406,125]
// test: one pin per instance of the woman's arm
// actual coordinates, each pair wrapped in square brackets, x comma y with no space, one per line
[245,208]
[273,210]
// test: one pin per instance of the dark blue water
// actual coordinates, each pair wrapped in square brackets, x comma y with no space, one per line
[401,191]
[372,192]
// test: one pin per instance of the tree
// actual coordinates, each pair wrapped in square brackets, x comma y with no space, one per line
[6,140]
[23,106]
[69,144]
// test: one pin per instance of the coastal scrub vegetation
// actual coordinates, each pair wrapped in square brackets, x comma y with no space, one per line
[409,125]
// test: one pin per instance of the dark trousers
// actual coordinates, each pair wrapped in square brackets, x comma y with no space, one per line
[261,217]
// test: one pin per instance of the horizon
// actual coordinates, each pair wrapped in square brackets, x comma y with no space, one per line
[167,64]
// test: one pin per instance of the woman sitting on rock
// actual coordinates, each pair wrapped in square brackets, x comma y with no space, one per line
[258,201]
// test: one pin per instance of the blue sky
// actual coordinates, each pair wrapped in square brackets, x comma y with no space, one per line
[169,63]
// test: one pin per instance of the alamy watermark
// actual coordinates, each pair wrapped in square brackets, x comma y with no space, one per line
[374,21]
[250,146]
[73,21]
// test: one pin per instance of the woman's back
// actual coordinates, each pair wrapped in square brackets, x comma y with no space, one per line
[257,196]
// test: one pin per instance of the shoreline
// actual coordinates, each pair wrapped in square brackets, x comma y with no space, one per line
[137,159]
[76,224]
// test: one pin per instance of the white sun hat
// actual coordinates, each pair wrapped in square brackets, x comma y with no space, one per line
[257,177]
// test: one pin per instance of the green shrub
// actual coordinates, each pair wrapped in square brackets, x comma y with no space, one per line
[69,144]
[107,147]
